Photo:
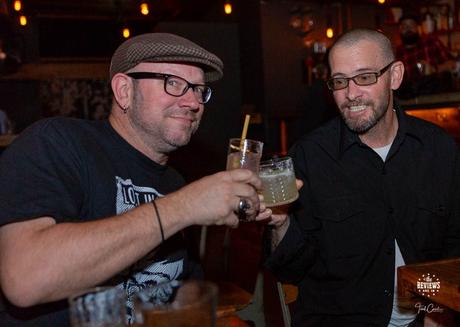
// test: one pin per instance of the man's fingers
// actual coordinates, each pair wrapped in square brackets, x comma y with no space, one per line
[298,184]
[246,176]
[264,214]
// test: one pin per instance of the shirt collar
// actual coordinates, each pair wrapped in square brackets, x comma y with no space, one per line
[348,138]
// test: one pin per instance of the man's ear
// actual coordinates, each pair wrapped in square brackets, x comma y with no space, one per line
[122,88]
[397,73]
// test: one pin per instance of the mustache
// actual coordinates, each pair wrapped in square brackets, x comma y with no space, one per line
[186,113]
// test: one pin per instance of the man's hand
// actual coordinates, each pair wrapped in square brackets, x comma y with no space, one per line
[279,216]
[214,199]
[279,219]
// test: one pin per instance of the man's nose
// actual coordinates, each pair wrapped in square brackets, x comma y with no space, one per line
[192,99]
[353,90]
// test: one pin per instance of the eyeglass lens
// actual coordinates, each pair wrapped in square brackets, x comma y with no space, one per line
[177,86]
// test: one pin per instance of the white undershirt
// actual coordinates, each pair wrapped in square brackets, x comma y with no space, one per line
[403,311]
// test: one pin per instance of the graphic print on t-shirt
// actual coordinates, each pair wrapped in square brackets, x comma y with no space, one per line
[130,196]
[146,272]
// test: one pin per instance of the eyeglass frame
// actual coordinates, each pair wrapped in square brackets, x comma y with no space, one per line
[166,77]
[347,79]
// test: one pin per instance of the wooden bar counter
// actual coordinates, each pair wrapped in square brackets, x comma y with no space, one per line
[436,281]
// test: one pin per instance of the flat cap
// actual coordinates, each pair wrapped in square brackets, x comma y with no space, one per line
[164,47]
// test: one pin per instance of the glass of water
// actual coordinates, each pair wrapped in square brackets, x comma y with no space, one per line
[278,181]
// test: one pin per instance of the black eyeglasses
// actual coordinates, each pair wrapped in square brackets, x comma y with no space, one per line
[339,83]
[176,86]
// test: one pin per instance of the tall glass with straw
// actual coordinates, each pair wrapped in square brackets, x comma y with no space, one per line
[243,152]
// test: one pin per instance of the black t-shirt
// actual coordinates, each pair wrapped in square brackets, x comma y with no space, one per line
[76,170]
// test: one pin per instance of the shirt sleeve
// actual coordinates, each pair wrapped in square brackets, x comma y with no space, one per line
[293,255]
[438,53]
[40,175]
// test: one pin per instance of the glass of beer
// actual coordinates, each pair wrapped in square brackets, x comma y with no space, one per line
[98,307]
[180,304]
[278,181]
[244,154]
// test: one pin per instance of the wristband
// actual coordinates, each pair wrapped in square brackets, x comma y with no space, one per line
[159,221]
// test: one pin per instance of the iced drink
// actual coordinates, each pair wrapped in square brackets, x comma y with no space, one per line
[278,182]
[248,160]
[246,155]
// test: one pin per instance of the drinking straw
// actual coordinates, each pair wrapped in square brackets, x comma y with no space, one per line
[245,130]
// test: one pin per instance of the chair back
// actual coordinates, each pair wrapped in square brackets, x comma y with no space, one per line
[287,294]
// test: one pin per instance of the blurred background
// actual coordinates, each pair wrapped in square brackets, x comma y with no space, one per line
[56,55]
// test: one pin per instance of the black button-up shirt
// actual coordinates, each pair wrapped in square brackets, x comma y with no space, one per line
[340,246]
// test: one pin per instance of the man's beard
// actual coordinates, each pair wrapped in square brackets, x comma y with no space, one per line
[160,137]
[410,38]
[363,126]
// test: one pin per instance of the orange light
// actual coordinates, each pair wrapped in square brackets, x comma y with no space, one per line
[17,5]
[381,1]
[23,20]
[126,32]
[228,8]
[144,8]
[330,33]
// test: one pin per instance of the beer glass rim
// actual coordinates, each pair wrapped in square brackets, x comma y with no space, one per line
[246,140]
[272,161]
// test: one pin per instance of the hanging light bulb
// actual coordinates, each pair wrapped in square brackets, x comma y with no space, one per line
[22,20]
[144,8]
[329,25]
[381,1]
[126,32]
[17,5]
[228,7]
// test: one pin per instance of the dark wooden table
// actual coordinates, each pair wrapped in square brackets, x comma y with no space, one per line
[438,281]
[227,321]
[232,298]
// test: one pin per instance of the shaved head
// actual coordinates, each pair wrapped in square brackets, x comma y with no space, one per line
[354,36]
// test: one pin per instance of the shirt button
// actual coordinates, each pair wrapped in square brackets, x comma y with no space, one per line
[390,210]
[387,292]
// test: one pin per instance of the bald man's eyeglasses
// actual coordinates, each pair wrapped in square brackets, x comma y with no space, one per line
[177,86]
[339,83]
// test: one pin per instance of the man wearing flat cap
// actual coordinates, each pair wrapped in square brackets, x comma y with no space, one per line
[88,203]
